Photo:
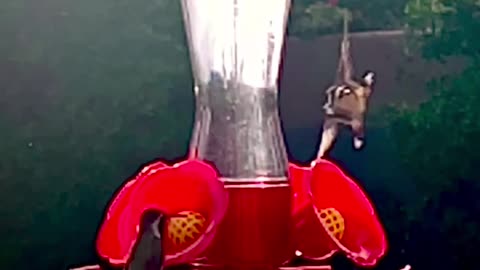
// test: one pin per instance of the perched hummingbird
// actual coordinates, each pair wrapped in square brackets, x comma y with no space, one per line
[148,254]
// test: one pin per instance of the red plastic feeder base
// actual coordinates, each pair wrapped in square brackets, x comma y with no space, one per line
[259,267]
[256,228]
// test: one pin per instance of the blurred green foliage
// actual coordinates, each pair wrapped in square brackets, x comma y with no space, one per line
[88,91]
[310,18]
[438,140]
[444,28]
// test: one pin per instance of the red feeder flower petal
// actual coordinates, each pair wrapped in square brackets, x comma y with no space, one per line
[189,191]
[313,242]
[342,209]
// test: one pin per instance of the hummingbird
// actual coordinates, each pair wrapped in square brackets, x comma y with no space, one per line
[148,253]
